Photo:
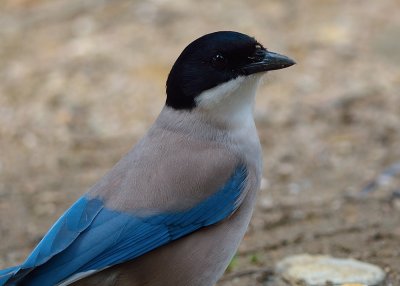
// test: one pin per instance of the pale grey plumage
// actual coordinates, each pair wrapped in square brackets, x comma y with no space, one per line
[190,153]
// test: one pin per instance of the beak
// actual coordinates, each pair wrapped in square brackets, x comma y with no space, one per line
[267,61]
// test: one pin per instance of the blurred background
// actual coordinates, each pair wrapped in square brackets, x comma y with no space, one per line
[81,81]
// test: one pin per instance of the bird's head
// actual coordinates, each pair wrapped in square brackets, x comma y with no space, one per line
[216,65]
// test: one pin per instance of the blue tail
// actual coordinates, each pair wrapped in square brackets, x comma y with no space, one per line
[6,274]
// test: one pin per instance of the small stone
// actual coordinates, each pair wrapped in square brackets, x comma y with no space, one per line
[285,170]
[264,184]
[294,188]
[322,270]
[266,203]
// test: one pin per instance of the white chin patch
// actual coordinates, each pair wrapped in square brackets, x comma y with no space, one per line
[215,95]
[230,102]
[242,86]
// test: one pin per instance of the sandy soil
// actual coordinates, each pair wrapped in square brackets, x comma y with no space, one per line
[81,81]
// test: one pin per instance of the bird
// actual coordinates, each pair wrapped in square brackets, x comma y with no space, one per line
[174,209]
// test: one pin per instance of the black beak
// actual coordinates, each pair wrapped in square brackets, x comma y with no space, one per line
[267,61]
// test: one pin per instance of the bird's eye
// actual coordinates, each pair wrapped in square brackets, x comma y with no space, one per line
[219,61]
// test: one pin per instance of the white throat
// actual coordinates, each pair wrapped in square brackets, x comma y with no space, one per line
[232,102]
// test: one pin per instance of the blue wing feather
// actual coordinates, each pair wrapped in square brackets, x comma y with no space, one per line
[91,237]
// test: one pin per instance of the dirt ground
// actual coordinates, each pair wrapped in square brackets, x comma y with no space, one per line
[81,81]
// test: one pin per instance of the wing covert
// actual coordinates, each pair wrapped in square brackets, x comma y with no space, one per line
[91,237]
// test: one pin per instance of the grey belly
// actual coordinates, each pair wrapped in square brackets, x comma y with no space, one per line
[198,259]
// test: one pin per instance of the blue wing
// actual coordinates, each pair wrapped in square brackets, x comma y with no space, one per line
[91,237]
